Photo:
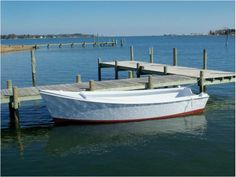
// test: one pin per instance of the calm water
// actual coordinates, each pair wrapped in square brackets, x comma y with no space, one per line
[192,145]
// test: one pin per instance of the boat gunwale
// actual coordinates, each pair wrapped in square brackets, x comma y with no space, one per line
[175,100]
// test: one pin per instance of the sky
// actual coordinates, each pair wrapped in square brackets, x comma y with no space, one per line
[120,18]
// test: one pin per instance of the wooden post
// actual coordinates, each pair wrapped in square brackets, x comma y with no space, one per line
[151,53]
[78,79]
[14,109]
[139,70]
[202,87]
[99,70]
[121,43]
[116,70]
[165,70]
[91,85]
[150,82]
[130,74]
[9,85]
[83,45]
[33,67]
[131,53]
[174,56]
[204,59]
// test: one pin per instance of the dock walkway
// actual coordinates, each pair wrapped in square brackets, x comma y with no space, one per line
[32,93]
[153,68]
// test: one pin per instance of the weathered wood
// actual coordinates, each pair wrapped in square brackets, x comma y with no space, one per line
[9,85]
[99,69]
[202,87]
[204,59]
[78,79]
[14,108]
[91,85]
[116,70]
[150,82]
[121,43]
[138,70]
[131,53]
[83,44]
[158,69]
[175,57]
[130,74]
[151,53]
[33,67]
[165,70]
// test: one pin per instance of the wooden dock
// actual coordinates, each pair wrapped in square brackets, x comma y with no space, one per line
[32,93]
[211,76]
[112,43]
[159,76]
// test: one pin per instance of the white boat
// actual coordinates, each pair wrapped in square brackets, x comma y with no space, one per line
[122,106]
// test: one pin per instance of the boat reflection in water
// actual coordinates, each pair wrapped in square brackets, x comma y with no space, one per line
[99,138]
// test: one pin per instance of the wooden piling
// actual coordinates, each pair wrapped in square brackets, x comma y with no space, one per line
[14,108]
[91,85]
[165,70]
[204,59]
[33,67]
[9,85]
[131,53]
[139,70]
[116,70]
[175,56]
[83,44]
[202,87]
[151,53]
[99,70]
[121,43]
[130,74]
[150,82]
[78,79]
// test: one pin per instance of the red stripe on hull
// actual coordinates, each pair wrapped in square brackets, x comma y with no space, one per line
[62,121]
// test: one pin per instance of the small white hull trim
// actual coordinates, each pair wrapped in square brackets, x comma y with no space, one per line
[122,106]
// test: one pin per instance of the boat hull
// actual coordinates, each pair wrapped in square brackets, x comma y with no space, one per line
[77,111]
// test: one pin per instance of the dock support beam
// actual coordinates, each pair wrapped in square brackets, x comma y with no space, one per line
[130,74]
[150,82]
[139,70]
[121,43]
[9,85]
[175,57]
[78,79]
[116,70]
[165,70]
[14,109]
[202,87]
[91,85]
[151,53]
[131,53]
[33,66]
[204,59]
[99,70]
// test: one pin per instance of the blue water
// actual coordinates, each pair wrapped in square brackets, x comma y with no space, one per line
[192,145]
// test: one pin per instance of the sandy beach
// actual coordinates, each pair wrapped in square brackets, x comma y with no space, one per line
[15,48]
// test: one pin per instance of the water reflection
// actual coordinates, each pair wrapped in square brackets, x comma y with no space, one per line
[99,138]
[82,139]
